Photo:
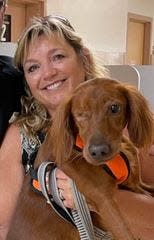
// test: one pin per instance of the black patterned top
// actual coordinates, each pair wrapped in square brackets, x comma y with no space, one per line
[29,149]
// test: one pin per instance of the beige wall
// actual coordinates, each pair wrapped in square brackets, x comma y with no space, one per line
[103,24]
[143,7]
[99,22]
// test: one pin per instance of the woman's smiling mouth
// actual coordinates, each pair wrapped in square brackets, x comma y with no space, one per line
[55,85]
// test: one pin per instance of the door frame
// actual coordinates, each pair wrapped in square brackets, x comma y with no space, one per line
[147,21]
[31,8]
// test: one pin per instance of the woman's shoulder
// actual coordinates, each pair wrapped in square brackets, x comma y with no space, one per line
[17,134]
[10,150]
[12,135]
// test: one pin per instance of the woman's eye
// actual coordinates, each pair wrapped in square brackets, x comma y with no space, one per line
[58,57]
[32,68]
[115,108]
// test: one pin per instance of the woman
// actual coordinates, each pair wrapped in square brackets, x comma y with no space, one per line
[54,61]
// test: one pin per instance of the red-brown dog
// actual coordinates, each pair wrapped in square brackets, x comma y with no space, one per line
[96,113]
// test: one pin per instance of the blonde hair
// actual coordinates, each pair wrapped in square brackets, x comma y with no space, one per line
[34,116]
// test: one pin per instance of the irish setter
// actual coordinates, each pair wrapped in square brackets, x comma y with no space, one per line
[96,113]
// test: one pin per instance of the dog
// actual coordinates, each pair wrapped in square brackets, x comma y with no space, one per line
[98,112]
[87,132]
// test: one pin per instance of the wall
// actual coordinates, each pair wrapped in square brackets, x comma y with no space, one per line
[99,22]
[142,7]
[8,48]
[103,24]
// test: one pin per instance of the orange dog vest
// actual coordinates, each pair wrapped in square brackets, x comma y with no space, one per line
[118,166]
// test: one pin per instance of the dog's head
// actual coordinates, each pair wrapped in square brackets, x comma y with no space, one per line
[98,110]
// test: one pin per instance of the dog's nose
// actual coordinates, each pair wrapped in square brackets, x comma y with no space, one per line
[99,151]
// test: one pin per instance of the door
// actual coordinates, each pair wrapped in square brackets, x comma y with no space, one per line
[21,11]
[138,40]
[135,43]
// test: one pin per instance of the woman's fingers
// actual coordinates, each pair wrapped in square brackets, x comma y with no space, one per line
[61,175]
[151,151]
[64,186]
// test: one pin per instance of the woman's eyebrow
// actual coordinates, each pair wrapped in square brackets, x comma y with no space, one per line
[29,61]
[52,51]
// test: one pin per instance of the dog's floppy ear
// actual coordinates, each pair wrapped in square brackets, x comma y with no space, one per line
[63,132]
[140,118]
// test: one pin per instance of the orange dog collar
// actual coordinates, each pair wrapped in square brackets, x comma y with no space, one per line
[79,143]
[36,185]
[118,166]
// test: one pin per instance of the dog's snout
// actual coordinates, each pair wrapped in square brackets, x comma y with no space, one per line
[99,151]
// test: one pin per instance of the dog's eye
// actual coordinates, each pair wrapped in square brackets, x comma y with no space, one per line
[115,108]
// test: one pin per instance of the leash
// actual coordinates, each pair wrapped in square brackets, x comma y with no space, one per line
[80,216]
[54,201]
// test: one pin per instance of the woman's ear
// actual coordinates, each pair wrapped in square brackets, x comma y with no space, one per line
[90,66]
[87,56]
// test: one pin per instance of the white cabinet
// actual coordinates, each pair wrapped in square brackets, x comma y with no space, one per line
[142,76]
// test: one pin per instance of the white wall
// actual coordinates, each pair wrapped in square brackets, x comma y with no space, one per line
[143,7]
[101,23]
[8,48]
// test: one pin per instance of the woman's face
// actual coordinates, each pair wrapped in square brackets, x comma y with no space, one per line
[52,69]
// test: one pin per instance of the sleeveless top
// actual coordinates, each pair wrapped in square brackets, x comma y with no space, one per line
[30,148]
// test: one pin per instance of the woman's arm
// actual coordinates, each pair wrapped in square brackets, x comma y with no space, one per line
[11,177]
[151,151]
[147,165]
[138,211]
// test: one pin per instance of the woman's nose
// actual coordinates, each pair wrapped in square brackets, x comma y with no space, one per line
[49,71]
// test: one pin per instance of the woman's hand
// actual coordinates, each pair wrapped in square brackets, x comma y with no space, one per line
[64,185]
[151,151]
[147,165]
